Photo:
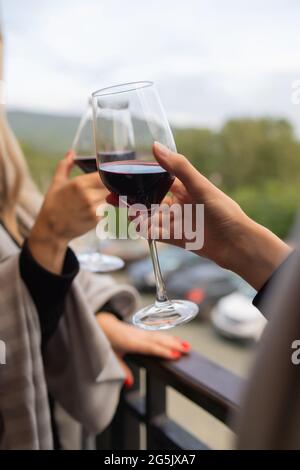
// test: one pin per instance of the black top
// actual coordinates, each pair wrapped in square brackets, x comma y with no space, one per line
[260,300]
[48,290]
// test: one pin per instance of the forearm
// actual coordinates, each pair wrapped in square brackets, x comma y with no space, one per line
[257,253]
[107,321]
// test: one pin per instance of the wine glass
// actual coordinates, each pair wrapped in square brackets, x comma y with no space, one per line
[87,246]
[128,118]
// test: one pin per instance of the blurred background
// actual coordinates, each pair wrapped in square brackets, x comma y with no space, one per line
[224,71]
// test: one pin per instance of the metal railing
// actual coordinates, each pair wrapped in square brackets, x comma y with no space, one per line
[202,381]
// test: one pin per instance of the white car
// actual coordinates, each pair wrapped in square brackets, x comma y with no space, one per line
[235,317]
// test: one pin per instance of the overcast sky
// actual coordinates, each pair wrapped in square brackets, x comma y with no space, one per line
[210,59]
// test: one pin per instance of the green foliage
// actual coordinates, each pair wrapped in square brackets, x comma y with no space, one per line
[41,165]
[256,161]
[273,205]
[202,147]
[255,151]
[244,151]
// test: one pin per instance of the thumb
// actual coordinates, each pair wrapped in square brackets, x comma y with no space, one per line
[64,167]
[178,165]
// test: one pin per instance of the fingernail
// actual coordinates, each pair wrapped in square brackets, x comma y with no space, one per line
[186,346]
[112,199]
[161,149]
[128,382]
[175,354]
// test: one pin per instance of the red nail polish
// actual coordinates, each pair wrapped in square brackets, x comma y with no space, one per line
[128,382]
[175,354]
[186,346]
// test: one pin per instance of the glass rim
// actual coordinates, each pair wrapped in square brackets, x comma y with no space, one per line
[122,88]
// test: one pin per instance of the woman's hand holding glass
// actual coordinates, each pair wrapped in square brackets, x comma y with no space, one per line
[68,211]
[231,238]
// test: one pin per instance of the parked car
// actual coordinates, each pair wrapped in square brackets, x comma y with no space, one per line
[204,284]
[235,317]
[171,259]
[130,251]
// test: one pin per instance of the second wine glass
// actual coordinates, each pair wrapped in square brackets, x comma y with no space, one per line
[87,246]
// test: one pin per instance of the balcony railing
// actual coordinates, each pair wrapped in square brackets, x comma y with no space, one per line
[205,383]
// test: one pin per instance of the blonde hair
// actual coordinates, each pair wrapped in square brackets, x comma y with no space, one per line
[20,199]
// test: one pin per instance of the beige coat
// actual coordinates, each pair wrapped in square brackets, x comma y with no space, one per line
[80,369]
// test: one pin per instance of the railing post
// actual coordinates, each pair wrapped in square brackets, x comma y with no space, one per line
[205,383]
[155,406]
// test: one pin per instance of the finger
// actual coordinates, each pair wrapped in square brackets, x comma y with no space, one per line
[91,180]
[116,201]
[177,186]
[129,380]
[98,195]
[113,199]
[179,166]
[70,154]
[152,348]
[64,168]
[168,200]
[173,343]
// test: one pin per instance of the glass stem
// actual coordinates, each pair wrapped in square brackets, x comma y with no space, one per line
[161,293]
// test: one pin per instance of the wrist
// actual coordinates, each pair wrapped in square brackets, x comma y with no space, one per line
[47,248]
[257,253]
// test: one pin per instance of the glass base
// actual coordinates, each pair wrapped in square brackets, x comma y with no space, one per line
[99,263]
[165,315]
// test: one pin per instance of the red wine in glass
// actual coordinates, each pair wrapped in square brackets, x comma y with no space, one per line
[87,163]
[87,246]
[142,182]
